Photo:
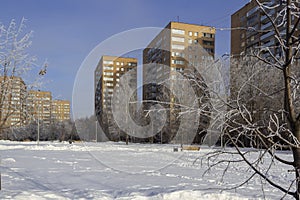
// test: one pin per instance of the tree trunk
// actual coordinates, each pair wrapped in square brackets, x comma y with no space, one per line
[296,155]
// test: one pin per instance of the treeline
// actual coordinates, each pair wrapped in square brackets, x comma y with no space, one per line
[85,129]
[61,131]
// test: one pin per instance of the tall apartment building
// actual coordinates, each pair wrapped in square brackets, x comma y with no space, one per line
[180,47]
[39,106]
[60,110]
[177,45]
[12,101]
[107,76]
[19,106]
[252,32]
[251,28]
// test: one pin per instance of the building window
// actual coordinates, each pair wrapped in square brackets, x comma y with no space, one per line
[117,63]
[208,35]
[178,31]
[190,33]
[176,46]
[122,69]
[243,35]
[109,84]
[190,41]
[178,62]
[196,34]
[108,62]
[108,73]
[108,68]
[179,54]
[108,79]
[122,63]
[209,50]
[177,39]
[210,43]
[179,69]
[195,41]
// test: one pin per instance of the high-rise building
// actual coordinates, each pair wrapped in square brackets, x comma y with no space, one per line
[12,101]
[107,77]
[254,84]
[177,45]
[177,48]
[39,106]
[60,110]
[253,34]
[251,29]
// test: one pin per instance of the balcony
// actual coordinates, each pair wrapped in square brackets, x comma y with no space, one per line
[265,26]
[271,33]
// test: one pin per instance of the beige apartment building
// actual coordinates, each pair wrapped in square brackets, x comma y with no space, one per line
[60,110]
[12,101]
[106,77]
[177,45]
[39,105]
[19,106]
[180,47]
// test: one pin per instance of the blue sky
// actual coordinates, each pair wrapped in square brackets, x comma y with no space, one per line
[65,31]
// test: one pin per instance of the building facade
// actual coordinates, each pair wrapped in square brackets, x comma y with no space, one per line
[106,77]
[19,106]
[179,48]
[12,101]
[253,34]
[258,86]
[252,29]
[39,106]
[60,110]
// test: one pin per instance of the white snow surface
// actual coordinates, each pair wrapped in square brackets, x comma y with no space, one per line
[54,170]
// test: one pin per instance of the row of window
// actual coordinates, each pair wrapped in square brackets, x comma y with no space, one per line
[118,68]
[108,73]
[110,79]
[177,62]
[190,33]
[108,90]
[177,46]
[109,62]
[178,54]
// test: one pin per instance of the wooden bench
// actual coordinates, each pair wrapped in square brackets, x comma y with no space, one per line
[190,148]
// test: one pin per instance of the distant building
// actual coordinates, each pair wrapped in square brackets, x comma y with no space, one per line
[12,101]
[106,78]
[180,47]
[60,110]
[39,106]
[19,106]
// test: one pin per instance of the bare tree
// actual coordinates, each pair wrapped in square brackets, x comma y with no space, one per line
[264,110]
[16,66]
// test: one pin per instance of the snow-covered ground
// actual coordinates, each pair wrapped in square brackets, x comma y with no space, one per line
[109,170]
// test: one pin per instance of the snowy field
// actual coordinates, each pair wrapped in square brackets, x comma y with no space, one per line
[109,170]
